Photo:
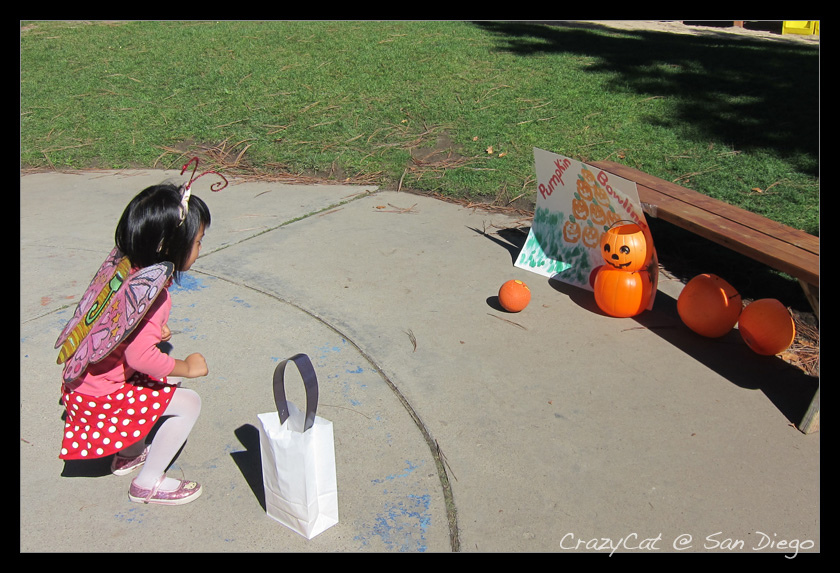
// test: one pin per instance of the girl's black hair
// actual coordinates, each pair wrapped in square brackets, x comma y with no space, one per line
[150,229]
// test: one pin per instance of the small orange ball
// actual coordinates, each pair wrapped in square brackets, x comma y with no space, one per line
[709,305]
[514,295]
[767,327]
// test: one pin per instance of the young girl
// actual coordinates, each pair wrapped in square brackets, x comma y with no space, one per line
[114,402]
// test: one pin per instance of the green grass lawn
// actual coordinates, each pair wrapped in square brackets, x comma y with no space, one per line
[450,107]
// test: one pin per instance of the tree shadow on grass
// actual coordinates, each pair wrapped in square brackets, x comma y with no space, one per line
[748,92]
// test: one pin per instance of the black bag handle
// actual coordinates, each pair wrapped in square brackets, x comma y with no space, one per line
[310,383]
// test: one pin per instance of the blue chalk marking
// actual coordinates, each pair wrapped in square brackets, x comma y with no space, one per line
[130,518]
[398,525]
[238,300]
[409,470]
[188,283]
[324,350]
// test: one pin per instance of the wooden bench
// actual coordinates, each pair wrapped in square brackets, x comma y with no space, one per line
[791,251]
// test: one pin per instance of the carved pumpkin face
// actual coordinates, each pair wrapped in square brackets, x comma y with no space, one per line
[625,248]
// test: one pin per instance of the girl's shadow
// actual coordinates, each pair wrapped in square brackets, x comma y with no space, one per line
[98,467]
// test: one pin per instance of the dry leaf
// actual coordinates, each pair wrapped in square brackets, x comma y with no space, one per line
[503,153]
[490,150]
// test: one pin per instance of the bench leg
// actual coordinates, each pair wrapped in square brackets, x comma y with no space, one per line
[812,293]
[811,420]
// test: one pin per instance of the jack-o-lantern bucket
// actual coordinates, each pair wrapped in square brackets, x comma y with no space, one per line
[622,294]
[624,247]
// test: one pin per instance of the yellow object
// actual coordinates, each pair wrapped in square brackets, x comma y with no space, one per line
[804,27]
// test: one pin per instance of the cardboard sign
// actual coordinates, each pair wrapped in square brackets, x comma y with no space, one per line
[576,203]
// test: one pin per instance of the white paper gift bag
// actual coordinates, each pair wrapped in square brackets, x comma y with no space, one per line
[298,458]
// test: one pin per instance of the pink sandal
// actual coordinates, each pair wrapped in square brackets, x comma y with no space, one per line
[121,465]
[187,491]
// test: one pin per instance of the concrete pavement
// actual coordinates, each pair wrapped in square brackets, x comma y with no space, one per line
[458,426]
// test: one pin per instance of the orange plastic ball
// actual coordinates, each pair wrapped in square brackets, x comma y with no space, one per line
[709,305]
[514,295]
[767,327]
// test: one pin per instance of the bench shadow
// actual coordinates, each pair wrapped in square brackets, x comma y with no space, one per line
[787,387]
[249,461]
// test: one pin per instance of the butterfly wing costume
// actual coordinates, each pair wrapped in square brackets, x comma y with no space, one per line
[113,305]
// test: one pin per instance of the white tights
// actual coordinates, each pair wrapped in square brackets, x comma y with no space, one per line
[172,433]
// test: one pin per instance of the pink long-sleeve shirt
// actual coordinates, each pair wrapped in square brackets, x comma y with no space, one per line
[138,353]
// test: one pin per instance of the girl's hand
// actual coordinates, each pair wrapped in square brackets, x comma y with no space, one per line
[165,334]
[197,365]
[193,366]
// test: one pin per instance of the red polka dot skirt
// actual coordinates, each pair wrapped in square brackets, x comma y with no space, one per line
[98,426]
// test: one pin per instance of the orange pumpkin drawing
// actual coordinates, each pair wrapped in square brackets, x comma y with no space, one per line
[580,208]
[591,236]
[612,217]
[596,214]
[514,295]
[571,231]
[601,195]
[585,189]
